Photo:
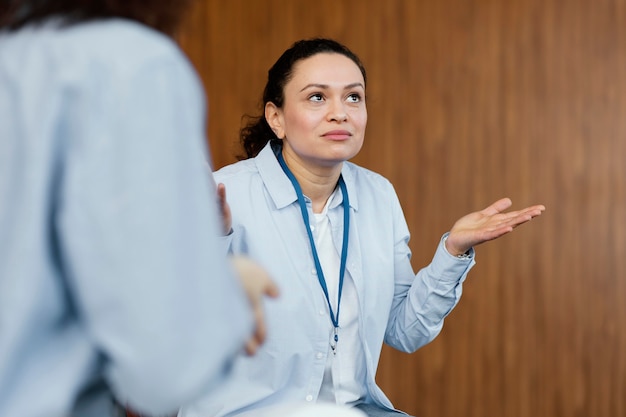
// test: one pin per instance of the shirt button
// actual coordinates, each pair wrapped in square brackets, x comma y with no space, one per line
[309,398]
[313,271]
[312,227]
[319,355]
[322,312]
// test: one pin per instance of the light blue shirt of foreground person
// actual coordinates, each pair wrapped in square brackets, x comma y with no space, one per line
[395,305]
[111,278]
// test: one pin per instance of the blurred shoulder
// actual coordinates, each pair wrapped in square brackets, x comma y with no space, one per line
[122,45]
[118,46]
[129,40]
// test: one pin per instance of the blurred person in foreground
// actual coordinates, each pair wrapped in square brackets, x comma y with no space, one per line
[112,285]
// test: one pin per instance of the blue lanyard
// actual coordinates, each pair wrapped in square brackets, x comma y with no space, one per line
[344,249]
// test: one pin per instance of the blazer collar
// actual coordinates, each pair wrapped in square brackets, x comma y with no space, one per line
[280,188]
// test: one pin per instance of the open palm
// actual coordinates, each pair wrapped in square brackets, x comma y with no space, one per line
[487,224]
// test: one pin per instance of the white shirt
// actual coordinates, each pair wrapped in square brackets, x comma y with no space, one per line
[345,367]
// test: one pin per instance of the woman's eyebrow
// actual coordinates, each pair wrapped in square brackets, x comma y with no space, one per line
[326,86]
[353,85]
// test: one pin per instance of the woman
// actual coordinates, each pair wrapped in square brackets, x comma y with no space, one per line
[334,237]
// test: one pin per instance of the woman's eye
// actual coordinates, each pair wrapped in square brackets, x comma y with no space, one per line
[316,97]
[354,98]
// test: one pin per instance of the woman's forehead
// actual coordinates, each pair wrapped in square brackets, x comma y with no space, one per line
[326,69]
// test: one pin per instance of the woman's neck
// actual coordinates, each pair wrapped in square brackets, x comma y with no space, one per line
[317,182]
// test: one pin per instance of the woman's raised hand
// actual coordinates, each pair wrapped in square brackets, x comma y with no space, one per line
[488,224]
[224,209]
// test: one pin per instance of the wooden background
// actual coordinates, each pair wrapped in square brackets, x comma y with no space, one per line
[470,101]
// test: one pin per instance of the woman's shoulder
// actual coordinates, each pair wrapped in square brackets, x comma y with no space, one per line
[364,177]
[372,189]
[238,171]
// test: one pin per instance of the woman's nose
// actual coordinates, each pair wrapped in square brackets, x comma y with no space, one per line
[337,111]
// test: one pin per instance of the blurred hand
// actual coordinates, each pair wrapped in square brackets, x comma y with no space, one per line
[488,224]
[257,284]
[224,208]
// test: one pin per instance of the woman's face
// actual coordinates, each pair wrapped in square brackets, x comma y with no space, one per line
[323,118]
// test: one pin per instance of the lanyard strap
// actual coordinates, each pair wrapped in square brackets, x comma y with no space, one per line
[344,248]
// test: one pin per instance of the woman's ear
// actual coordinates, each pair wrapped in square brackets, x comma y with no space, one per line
[274,117]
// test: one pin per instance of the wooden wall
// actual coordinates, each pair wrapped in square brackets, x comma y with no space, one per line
[470,101]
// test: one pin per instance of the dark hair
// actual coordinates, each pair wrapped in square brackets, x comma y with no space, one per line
[162,15]
[257,132]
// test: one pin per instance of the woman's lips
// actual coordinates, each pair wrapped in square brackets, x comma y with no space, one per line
[337,135]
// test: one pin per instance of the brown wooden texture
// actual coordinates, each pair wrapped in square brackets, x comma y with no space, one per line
[470,101]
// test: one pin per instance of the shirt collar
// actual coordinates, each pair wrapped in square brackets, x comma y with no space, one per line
[280,188]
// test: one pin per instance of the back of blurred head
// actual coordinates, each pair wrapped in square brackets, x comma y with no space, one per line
[162,15]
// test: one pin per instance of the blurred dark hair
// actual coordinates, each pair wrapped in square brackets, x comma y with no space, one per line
[257,132]
[162,15]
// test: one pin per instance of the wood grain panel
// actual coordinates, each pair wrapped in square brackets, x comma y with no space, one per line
[469,101]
